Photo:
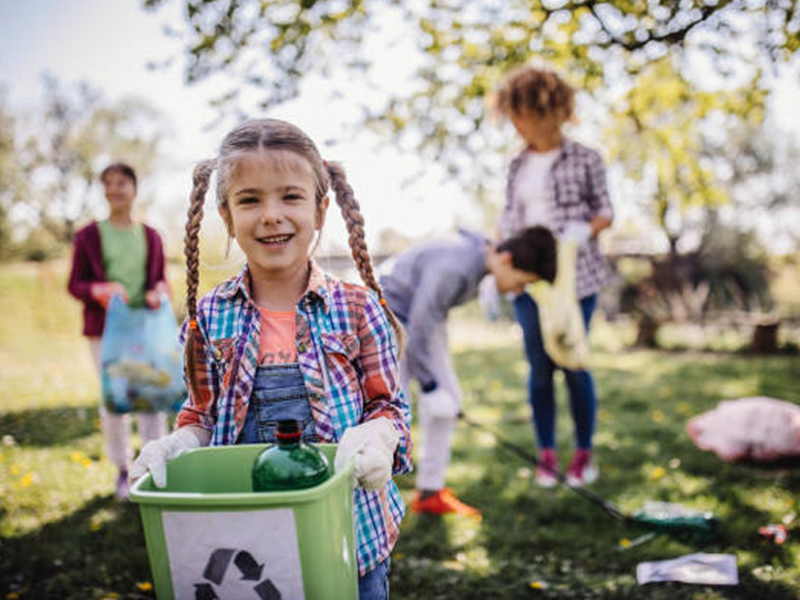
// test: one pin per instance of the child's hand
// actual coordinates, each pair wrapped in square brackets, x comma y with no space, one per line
[155,454]
[154,297]
[372,444]
[103,292]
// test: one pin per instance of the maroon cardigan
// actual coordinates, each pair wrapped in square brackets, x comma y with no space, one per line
[87,268]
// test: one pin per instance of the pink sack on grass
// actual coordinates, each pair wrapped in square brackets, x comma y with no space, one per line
[749,428]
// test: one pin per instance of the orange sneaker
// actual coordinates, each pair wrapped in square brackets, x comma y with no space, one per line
[443,502]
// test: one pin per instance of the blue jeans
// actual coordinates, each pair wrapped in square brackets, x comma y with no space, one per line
[279,392]
[375,584]
[541,394]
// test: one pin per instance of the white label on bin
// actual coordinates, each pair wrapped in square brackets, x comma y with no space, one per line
[225,555]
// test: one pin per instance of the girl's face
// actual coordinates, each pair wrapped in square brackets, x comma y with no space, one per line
[272,212]
[120,192]
[533,127]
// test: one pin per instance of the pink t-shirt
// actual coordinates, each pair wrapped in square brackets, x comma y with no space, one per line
[278,332]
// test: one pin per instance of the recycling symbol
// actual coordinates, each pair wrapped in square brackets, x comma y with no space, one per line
[217,567]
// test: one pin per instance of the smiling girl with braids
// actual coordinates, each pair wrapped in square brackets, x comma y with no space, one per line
[284,340]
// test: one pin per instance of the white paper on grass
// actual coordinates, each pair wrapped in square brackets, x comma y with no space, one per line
[268,536]
[702,568]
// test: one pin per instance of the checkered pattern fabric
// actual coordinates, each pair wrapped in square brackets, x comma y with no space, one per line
[576,191]
[347,353]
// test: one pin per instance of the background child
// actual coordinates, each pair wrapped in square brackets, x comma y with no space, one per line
[118,257]
[284,340]
[423,285]
[560,184]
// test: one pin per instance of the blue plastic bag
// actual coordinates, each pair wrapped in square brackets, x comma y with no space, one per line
[142,359]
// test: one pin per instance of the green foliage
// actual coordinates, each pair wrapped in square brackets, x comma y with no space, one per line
[12,179]
[38,246]
[64,536]
[660,127]
[642,49]
[736,267]
[50,161]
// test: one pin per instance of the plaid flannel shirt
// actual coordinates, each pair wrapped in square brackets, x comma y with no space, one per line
[576,191]
[347,352]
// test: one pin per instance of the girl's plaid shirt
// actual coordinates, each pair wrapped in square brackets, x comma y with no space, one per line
[576,191]
[348,355]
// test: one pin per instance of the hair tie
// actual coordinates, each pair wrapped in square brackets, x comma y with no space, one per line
[193,324]
[383,301]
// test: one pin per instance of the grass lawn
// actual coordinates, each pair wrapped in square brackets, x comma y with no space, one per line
[62,534]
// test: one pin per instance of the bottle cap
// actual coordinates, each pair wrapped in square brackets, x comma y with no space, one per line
[288,429]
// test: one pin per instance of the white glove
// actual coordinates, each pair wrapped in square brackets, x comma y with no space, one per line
[372,444]
[156,453]
[439,404]
[577,231]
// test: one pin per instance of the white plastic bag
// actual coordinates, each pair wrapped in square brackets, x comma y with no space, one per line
[748,428]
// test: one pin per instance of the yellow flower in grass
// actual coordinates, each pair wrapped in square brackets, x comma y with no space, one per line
[657,416]
[76,456]
[625,543]
[538,585]
[27,480]
[657,473]
[86,462]
[144,586]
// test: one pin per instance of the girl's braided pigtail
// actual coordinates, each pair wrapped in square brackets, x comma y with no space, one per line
[194,347]
[358,245]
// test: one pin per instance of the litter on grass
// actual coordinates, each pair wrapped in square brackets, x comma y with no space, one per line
[700,568]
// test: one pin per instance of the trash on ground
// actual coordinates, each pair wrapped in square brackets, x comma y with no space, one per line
[700,568]
[677,519]
[774,533]
[760,428]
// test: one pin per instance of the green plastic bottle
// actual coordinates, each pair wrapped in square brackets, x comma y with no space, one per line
[290,464]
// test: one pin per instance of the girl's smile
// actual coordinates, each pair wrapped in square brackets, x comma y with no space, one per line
[276,241]
[273,213]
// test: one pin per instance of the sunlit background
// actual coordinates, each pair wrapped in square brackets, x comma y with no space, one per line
[693,105]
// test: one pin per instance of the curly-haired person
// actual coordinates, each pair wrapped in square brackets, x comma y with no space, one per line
[560,184]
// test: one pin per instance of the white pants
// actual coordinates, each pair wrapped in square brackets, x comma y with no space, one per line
[117,428]
[437,432]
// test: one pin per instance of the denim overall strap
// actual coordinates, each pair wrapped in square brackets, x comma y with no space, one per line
[279,393]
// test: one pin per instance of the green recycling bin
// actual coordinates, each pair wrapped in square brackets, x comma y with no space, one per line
[210,536]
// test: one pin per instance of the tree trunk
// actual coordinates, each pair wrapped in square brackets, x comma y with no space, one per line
[647,333]
[765,337]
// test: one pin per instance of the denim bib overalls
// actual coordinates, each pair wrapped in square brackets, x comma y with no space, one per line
[279,393]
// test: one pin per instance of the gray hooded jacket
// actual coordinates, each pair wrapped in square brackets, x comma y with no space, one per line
[425,283]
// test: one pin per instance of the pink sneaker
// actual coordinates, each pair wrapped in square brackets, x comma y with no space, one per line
[582,469]
[548,467]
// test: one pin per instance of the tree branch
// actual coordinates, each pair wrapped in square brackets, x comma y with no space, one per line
[671,37]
